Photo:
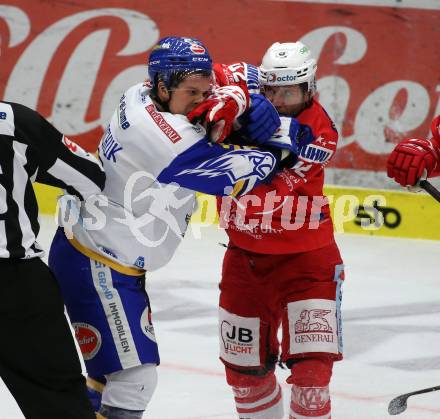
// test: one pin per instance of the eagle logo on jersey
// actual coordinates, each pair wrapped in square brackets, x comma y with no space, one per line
[238,165]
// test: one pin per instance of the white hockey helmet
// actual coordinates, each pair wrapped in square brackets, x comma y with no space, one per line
[288,63]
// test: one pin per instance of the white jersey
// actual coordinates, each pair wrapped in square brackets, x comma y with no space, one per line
[154,162]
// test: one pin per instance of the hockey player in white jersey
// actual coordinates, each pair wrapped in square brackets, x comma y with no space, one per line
[154,160]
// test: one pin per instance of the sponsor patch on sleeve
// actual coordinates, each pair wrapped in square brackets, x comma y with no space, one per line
[163,125]
[313,153]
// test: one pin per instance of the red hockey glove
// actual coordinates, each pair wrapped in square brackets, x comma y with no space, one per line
[220,110]
[435,128]
[410,159]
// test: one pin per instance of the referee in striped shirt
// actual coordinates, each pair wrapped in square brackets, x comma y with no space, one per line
[38,359]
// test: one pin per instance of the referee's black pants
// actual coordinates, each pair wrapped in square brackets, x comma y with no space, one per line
[38,359]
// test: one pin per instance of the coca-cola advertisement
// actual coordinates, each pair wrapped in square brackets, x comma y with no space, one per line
[377,73]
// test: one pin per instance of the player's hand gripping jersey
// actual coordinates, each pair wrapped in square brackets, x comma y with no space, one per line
[290,214]
[154,161]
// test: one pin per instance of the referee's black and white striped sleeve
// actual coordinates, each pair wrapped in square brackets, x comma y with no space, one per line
[61,162]
[32,149]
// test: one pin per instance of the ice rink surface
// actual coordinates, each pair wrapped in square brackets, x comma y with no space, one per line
[391,312]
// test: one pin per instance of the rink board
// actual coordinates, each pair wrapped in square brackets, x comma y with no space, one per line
[354,210]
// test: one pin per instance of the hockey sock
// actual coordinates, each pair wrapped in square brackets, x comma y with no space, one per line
[310,389]
[256,397]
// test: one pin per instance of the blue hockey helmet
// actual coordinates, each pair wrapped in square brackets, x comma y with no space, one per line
[174,58]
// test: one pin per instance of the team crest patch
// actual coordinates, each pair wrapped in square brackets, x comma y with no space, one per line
[237,165]
[311,398]
[88,338]
[241,391]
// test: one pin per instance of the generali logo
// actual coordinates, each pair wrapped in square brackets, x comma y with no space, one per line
[163,125]
[313,321]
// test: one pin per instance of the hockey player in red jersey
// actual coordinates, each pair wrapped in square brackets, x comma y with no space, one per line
[282,266]
[416,158]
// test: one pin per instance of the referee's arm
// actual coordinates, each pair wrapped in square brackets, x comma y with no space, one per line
[62,163]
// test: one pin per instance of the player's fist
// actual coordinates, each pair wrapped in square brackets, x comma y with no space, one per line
[261,120]
[290,135]
[410,159]
[220,109]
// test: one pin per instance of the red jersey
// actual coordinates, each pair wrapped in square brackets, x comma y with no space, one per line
[435,129]
[290,214]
